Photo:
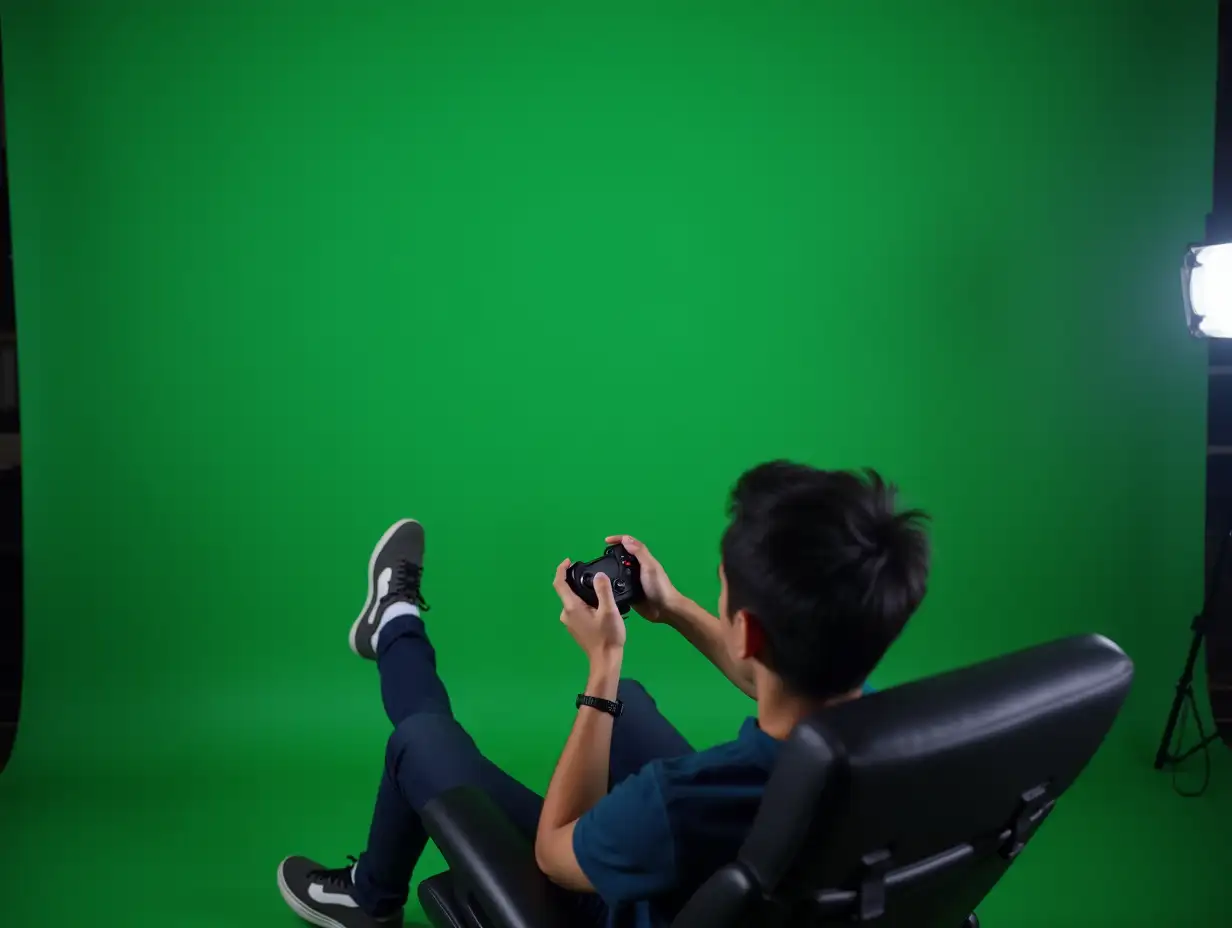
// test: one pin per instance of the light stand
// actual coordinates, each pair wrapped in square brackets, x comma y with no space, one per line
[1164,757]
[1207,283]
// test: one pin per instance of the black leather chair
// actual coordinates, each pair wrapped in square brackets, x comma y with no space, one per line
[900,809]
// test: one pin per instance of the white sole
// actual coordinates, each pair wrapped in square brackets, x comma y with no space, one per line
[314,918]
[368,604]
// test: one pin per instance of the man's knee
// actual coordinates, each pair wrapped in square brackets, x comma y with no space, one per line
[628,687]
[428,754]
[417,737]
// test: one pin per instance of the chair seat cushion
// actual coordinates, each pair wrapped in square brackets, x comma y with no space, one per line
[440,902]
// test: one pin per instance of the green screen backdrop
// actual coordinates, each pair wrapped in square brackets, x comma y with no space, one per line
[538,272]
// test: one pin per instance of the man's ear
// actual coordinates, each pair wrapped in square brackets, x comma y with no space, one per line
[752,641]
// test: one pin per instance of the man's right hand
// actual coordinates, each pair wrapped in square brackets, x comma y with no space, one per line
[660,594]
[663,604]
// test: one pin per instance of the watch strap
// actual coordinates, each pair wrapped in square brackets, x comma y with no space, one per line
[614,709]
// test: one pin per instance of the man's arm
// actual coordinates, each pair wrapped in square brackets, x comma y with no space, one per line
[580,780]
[624,838]
[702,630]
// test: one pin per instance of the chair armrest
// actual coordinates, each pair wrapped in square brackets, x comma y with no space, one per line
[492,863]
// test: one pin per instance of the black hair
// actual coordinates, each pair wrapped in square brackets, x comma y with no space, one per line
[828,568]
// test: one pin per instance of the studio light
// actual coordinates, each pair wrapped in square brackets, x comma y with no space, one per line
[1206,283]
[1206,286]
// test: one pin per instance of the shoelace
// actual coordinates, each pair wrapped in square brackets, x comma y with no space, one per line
[336,877]
[405,584]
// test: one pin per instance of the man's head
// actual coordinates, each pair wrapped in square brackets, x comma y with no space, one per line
[820,573]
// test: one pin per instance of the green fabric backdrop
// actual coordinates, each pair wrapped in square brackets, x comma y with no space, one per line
[537,272]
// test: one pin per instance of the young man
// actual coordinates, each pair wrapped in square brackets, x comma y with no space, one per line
[819,573]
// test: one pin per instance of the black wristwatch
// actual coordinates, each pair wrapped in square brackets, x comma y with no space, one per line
[614,709]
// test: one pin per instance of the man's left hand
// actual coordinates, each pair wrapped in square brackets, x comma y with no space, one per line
[600,632]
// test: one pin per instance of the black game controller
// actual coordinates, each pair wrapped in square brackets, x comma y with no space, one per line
[620,567]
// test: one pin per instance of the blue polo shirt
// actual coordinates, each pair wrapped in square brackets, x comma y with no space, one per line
[661,833]
[657,836]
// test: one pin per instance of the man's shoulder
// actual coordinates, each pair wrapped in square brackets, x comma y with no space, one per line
[741,764]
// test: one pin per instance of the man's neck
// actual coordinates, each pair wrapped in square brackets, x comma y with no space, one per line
[779,712]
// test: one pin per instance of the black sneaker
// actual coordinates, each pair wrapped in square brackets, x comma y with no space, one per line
[323,897]
[394,572]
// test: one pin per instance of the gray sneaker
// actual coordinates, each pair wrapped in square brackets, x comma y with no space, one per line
[394,574]
[324,897]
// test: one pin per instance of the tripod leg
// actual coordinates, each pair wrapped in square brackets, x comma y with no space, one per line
[1184,690]
[1184,686]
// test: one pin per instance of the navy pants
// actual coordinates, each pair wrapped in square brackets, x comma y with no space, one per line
[429,753]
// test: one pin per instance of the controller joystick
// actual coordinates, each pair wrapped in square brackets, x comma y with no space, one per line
[620,567]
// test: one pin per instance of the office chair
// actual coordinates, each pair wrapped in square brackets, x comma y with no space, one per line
[901,809]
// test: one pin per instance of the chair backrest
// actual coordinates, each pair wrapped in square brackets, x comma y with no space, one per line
[904,808]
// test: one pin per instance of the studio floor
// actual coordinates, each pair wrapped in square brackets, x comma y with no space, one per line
[195,844]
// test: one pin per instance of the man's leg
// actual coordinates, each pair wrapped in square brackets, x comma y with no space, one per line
[428,753]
